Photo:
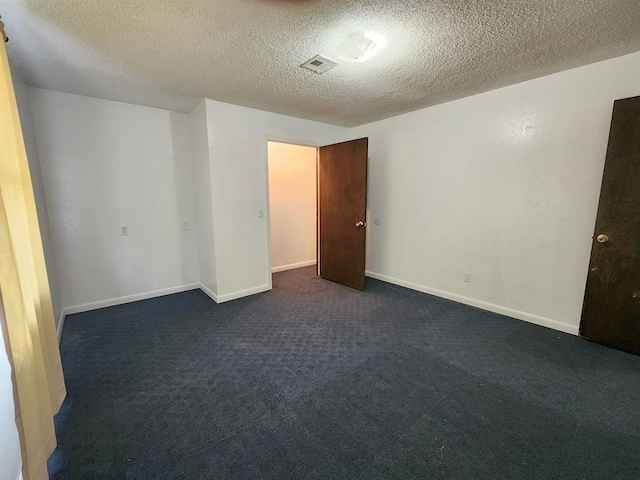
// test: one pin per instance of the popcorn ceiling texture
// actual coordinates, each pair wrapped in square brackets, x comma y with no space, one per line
[169,54]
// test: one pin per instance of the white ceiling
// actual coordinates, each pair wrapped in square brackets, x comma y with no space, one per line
[169,54]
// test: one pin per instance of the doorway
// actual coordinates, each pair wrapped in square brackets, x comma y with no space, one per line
[317,213]
[293,205]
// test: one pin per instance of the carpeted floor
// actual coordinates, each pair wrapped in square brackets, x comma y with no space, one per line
[313,380]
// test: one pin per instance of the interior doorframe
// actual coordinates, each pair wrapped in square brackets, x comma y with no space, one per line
[267,200]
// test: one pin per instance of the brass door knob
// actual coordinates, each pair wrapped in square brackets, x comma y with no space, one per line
[602,238]
[361,224]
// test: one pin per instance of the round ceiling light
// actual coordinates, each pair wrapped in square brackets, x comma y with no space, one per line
[358,47]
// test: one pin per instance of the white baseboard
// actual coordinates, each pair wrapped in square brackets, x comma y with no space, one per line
[63,315]
[291,266]
[234,295]
[242,293]
[509,312]
[85,307]
[209,293]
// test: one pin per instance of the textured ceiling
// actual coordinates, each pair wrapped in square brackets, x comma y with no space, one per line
[171,53]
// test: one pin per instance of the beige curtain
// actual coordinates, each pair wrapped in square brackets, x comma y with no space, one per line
[33,348]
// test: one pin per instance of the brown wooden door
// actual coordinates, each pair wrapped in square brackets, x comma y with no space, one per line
[342,210]
[611,310]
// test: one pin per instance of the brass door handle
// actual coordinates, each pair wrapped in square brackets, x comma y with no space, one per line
[602,238]
[361,224]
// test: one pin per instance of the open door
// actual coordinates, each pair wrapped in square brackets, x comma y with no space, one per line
[343,207]
[611,310]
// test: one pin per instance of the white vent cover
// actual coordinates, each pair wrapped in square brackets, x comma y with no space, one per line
[319,64]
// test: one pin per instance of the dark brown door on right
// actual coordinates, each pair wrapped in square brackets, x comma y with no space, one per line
[611,310]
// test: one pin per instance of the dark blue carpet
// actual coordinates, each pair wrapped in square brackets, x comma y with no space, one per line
[313,380]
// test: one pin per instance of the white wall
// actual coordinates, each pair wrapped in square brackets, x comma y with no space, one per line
[504,184]
[292,205]
[106,164]
[203,201]
[238,152]
[26,122]
[10,456]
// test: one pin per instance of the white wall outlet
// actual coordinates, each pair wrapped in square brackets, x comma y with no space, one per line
[260,213]
[185,226]
[124,230]
[377,221]
[466,276]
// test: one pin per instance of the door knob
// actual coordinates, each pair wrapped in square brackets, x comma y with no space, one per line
[602,238]
[361,224]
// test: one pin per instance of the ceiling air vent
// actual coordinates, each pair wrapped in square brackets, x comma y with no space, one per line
[319,64]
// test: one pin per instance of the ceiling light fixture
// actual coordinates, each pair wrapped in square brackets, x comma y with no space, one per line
[358,47]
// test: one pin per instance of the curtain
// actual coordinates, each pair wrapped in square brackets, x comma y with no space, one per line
[32,341]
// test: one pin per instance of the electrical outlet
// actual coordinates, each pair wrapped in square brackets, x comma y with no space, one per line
[260,213]
[124,230]
[466,277]
[185,226]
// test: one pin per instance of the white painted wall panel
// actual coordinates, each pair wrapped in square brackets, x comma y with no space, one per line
[106,164]
[203,203]
[504,184]
[238,150]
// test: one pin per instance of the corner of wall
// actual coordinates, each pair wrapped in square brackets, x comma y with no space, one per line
[202,183]
[210,293]
[60,324]
[22,92]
